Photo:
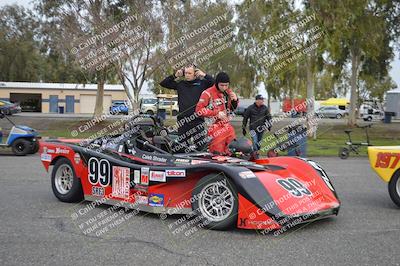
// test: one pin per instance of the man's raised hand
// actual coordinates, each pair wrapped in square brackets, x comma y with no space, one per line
[179,73]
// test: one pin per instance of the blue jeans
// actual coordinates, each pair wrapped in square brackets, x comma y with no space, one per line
[256,137]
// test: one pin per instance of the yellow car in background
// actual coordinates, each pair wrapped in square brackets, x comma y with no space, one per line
[385,160]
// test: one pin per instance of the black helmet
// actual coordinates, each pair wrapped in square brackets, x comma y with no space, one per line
[241,145]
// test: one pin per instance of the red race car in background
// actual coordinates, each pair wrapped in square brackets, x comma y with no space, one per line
[137,169]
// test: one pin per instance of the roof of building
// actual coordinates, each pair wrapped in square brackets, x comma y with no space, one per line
[58,86]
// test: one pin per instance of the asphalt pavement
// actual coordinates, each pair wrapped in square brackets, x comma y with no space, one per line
[37,229]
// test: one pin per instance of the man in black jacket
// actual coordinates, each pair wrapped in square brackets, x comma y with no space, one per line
[189,90]
[260,121]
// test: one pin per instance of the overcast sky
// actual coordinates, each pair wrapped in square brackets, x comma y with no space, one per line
[394,72]
[26,3]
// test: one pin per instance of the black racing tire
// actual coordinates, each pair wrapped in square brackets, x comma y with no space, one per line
[344,153]
[62,187]
[34,148]
[150,112]
[21,147]
[174,112]
[209,190]
[369,118]
[394,188]
[338,116]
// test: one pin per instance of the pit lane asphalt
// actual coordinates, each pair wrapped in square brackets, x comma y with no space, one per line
[37,229]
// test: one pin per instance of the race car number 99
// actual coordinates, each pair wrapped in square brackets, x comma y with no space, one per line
[294,186]
[99,172]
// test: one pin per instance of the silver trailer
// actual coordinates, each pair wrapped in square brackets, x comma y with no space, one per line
[393,102]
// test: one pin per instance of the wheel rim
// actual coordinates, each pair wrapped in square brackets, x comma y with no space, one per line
[64,179]
[216,202]
[398,186]
[20,147]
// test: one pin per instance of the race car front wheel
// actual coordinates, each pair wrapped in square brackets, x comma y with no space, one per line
[66,186]
[394,188]
[216,202]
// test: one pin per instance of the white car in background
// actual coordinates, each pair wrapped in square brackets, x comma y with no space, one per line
[369,112]
[149,106]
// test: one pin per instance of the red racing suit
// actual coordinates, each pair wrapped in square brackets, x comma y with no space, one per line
[212,101]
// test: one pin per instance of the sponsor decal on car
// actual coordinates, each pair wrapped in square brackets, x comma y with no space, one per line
[144,175]
[47,150]
[158,176]
[77,158]
[234,160]
[259,223]
[156,200]
[154,158]
[98,191]
[220,158]
[182,161]
[120,182]
[175,173]
[199,161]
[136,176]
[139,199]
[120,148]
[61,151]
[246,163]
[247,174]
[141,188]
[45,157]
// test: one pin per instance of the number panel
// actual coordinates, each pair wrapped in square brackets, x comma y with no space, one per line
[294,187]
[99,172]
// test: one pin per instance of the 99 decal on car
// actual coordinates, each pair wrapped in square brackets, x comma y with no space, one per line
[99,172]
[294,187]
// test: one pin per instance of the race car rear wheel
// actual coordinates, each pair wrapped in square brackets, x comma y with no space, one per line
[216,202]
[66,186]
[394,188]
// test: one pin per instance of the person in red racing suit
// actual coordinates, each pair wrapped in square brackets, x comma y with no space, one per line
[217,102]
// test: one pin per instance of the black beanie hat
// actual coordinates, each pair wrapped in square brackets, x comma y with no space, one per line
[222,77]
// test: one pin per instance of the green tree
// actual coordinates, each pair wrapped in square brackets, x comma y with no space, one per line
[358,31]
[20,57]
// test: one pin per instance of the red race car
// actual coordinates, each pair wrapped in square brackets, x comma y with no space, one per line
[136,169]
